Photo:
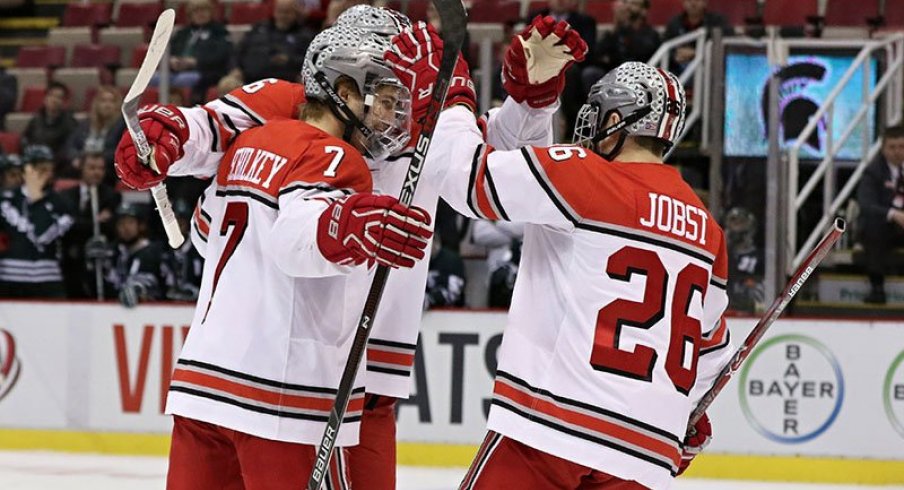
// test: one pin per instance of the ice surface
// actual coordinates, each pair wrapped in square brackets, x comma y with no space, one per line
[49,470]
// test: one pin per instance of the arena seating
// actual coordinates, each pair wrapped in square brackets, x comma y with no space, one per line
[10,142]
[78,80]
[137,14]
[88,14]
[248,13]
[32,99]
[789,13]
[124,37]
[69,37]
[41,57]
[95,55]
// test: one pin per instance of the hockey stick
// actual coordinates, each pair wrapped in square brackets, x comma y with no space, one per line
[452,13]
[775,310]
[156,48]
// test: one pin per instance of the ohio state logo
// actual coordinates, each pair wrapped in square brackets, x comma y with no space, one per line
[10,367]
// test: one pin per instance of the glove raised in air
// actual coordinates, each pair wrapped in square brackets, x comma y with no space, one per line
[366,228]
[536,61]
[167,131]
[415,58]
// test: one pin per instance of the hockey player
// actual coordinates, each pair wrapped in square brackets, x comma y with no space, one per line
[615,329]
[526,120]
[290,217]
[137,268]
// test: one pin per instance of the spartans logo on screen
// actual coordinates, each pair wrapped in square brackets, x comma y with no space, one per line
[796,104]
[893,389]
[9,363]
[791,389]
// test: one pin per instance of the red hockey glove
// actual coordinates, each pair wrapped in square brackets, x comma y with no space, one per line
[537,59]
[166,130]
[696,442]
[415,58]
[367,227]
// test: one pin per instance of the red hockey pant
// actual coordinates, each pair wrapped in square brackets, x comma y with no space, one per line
[372,463]
[209,457]
[506,463]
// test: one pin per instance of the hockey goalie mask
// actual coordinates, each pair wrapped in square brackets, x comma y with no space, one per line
[649,101]
[384,127]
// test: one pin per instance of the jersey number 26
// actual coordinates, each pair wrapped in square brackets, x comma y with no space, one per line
[622,313]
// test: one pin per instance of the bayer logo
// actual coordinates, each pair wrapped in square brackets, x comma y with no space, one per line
[791,389]
[893,393]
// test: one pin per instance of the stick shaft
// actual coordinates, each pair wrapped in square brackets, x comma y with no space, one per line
[454,20]
[775,310]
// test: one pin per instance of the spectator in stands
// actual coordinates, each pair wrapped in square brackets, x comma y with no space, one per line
[881,199]
[275,48]
[101,131]
[186,263]
[11,176]
[200,51]
[632,39]
[746,261]
[137,270]
[694,16]
[34,220]
[446,278]
[53,123]
[9,91]
[502,240]
[79,282]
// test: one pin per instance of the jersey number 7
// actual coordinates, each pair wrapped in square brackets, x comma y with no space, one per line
[621,313]
[236,218]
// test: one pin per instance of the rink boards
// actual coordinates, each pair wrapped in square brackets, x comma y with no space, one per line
[817,401]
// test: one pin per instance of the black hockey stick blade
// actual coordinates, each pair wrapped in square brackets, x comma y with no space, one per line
[454,20]
[775,310]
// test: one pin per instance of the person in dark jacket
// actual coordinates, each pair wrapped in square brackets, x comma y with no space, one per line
[632,39]
[694,16]
[445,279]
[11,176]
[80,282]
[33,220]
[199,52]
[881,199]
[52,124]
[137,269]
[276,47]
[9,90]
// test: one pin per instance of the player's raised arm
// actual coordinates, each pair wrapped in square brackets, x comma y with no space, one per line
[458,148]
[192,140]
[533,74]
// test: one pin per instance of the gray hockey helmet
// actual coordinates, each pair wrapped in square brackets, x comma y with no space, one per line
[650,101]
[357,54]
[379,20]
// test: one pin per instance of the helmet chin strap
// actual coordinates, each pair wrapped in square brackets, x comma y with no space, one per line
[619,128]
[342,111]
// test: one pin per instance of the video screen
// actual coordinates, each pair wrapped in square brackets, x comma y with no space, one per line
[805,83]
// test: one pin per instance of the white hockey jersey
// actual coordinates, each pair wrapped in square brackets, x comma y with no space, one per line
[615,329]
[392,345]
[275,319]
